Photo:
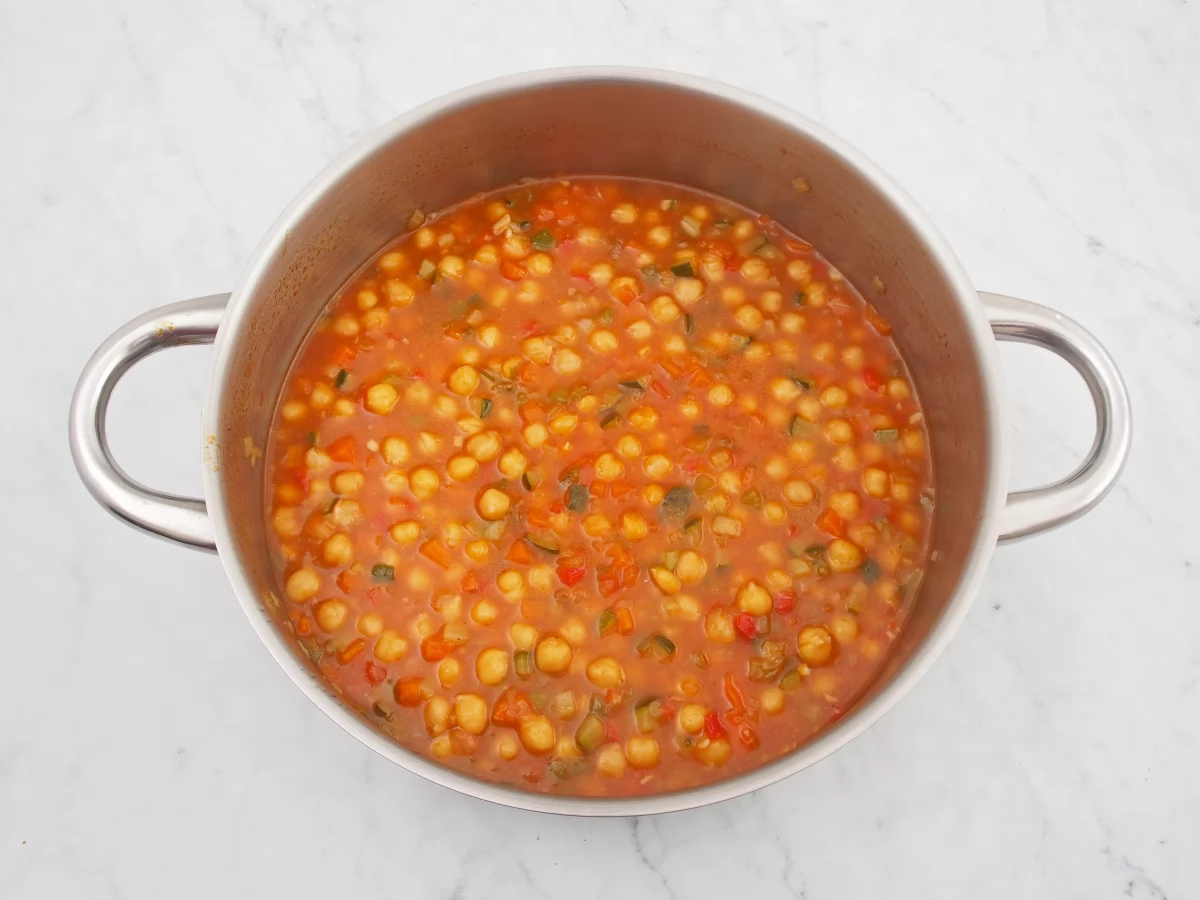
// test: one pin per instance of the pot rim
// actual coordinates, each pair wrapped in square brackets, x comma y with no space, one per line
[826,742]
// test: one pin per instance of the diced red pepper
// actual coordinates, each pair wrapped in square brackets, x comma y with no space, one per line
[470,583]
[872,380]
[748,738]
[344,449]
[598,488]
[538,517]
[660,389]
[713,727]
[785,600]
[831,523]
[343,354]
[375,673]
[571,574]
[345,581]
[609,582]
[734,694]
[629,575]
[408,692]
[620,489]
[610,732]
[303,625]
[878,322]
[745,625]
[626,292]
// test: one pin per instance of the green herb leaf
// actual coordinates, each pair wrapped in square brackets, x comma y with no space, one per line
[340,380]
[799,298]
[543,240]
[577,498]
[870,571]
[380,572]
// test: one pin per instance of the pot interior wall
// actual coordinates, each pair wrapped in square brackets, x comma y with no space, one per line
[613,126]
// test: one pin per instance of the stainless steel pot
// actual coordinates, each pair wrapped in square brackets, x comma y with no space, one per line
[624,122]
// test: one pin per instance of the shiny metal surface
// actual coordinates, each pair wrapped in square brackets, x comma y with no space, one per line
[652,125]
[182,519]
[1032,511]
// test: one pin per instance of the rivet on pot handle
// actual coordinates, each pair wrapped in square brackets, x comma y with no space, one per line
[1040,509]
[181,519]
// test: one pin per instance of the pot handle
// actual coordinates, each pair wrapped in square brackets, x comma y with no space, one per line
[181,519]
[1040,509]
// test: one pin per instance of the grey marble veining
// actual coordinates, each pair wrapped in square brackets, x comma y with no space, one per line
[149,746]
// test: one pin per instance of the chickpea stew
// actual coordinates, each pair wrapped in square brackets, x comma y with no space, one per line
[601,487]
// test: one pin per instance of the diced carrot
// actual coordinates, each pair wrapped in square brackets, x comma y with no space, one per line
[620,488]
[345,581]
[598,488]
[831,523]
[513,271]
[435,646]
[539,518]
[344,449]
[609,582]
[626,292]
[700,379]
[343,354]
[629,575]
[659,389]
[519,553]
[670,368]
[510,707]
[625,620]
[878,322]
[351,650]
[470,583]
[303,625]
[433,551]
[531,411]
[408,691]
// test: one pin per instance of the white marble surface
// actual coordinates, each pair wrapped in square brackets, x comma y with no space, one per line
[150,748]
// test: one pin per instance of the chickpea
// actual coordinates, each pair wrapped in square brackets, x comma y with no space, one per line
[755,269]
[609,467]
[834,397]
[633,526]
[405,532]
[423,482]
[839,431]
[629,446]
[843,555]
[303,584]
[484,446]
[441,746]
[666,580]
[338,549]
[720,395]
[603,341]
[381,398]
[553,654]
[437,715]
[534,435]
[784,390]
[370,624]
[510,582]
[574,631]
[610,760]
[540,264]
[897,389]
[507,747]
[513,463]
[691,718]
[718,626]
[755,599]
[331,615]
[395,451]
[688,290]
[772,700]
[815,645]
[483,613]
[399,293]
[845,503]
[348,483]
[624,213]
[448,672]
[605,672]
[463,380]
[478,550]
[390,646]
[564,423]
[461,468]
[775,512]
[844,628]
[493,504]
[656,465]
[643,418]
[600,274]
[777,468]
[799,493]
[536,733]
[691,567]
[286,521]
[642,751]
[491,666]
[714,753]
[875,482]
[596,525]
[471,713]
[749,317]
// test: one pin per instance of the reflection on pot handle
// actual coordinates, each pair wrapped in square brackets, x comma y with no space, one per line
[182,519]
[1043,508]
